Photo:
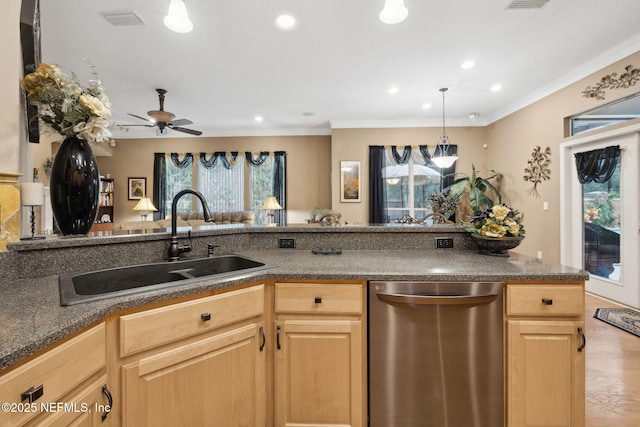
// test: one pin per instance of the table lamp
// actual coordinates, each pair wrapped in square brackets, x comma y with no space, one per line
[271,204]
[32,194]
[144,206]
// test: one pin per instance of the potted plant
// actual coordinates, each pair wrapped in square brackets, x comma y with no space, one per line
[477,189]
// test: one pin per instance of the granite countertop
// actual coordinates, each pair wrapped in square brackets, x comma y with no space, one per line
[31,317]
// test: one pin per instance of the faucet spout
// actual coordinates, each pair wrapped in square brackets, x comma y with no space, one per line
[174,248]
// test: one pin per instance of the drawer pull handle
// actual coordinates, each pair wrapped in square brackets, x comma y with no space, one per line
[107,408]
[33,394]
[547,301]
[317,300]
[263,338]
[205,317]
[278,329]
[584,340]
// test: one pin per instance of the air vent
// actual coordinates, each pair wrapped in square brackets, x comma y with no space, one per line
[123,18]
[526,4]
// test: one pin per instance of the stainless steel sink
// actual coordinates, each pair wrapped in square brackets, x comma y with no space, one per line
[77,288]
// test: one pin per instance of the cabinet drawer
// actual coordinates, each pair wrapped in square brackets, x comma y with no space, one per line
[545,300]
[57,372]
[318,298]
[148,329]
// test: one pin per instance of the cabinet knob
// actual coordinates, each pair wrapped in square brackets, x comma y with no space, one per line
[33,394]
[205,317]
[547,301]
[317,300]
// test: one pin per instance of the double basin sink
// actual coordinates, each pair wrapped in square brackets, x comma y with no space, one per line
[76,288]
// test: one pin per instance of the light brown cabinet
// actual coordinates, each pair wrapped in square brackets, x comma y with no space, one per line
[319,356]
[61,386]
[545,355]
[200,362]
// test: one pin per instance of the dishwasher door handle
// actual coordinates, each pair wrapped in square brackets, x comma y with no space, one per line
[438,299]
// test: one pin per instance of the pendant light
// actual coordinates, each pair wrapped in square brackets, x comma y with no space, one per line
[178,19]
[393,12]
[443,160]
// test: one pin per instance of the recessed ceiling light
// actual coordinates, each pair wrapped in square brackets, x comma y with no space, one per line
[285,21]
[467,64]
[496,87]
[258,118]
[393,90]
[426,106]
[473,116]
[307,114]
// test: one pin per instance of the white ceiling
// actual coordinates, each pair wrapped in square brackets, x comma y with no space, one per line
[338,63]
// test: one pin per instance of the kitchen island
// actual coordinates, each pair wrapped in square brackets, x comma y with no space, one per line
[268,309]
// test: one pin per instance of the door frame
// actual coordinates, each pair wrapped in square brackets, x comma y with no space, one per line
[627,290]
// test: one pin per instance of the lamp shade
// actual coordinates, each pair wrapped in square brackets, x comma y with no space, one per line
[32,194]
[145,204]
[444,161]
[178,19]
[271,204]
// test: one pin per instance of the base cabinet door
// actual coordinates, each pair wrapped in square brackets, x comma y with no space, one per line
[318,373]
[216,381]
[546,365]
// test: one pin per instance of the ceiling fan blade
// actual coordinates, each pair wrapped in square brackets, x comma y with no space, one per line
[142,118]
[185,130]
[180,122]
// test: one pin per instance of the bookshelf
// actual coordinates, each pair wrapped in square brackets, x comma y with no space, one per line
[104,219]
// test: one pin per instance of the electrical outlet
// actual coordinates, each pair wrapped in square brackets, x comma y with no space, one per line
[287,243]
[444,242]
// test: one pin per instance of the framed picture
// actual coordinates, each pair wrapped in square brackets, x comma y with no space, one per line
[137,188]
[350,181]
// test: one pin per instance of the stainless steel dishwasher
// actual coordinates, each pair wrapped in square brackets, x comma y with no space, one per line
[435,354]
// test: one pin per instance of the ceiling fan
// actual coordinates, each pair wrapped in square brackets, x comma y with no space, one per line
[164,120]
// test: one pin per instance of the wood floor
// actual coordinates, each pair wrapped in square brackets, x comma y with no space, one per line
[612,372]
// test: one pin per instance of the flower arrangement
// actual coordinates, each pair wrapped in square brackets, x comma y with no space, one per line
[67,107]
[499,221]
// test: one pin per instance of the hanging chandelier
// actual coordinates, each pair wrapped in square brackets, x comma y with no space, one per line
[443,160]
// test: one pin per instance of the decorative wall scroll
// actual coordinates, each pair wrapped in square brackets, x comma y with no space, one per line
[626,80]
[538,169]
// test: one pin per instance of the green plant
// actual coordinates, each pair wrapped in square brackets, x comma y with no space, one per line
[477,188]
[605,212]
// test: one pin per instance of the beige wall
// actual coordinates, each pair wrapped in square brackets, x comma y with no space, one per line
[308,181]
[353,144]
[513,138]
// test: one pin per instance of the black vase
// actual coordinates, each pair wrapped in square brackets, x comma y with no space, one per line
[74,187]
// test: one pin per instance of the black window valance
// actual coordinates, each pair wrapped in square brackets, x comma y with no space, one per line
[597,165]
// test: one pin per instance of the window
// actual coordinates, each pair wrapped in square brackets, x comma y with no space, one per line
[222,186]
[615,112]
[178,178]
[401,182]
[408,188]
[229,181]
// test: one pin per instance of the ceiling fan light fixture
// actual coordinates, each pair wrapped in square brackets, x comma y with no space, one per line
[178,19]
[393,12]
[444,160]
